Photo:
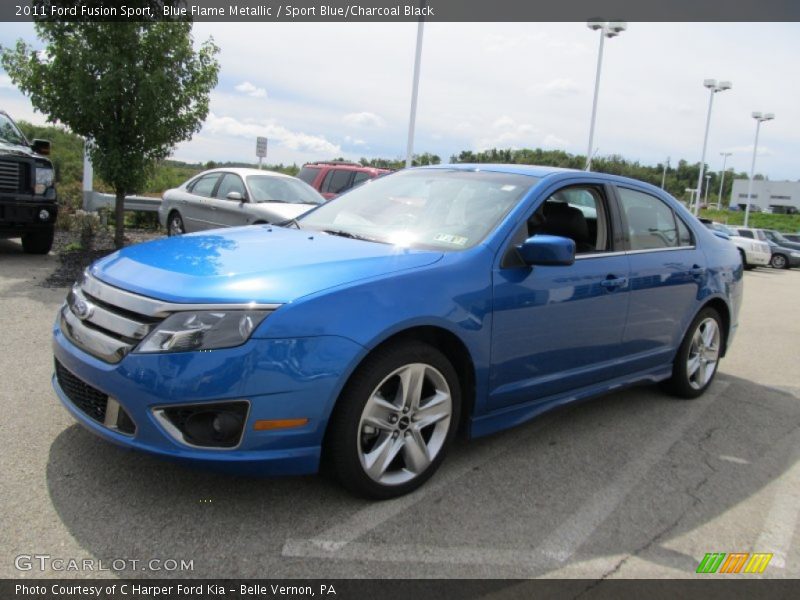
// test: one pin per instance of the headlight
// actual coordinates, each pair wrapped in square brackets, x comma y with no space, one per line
[202,330]
[44,179]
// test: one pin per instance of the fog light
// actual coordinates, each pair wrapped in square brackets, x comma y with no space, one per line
[218,425]
[44,215]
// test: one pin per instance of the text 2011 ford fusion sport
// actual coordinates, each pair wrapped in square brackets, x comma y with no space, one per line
[368,332]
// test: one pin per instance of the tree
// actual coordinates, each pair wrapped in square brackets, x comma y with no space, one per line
[134,90]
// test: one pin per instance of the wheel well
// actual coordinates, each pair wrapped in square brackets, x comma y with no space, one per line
[260,223]
[456,352]
[725,314]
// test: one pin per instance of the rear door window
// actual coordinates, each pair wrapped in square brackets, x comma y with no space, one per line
[230,183]
[651,223]
[337,181]
[308,174]
[205,185]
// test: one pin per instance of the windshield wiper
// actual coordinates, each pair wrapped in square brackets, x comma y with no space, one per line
[352,236]
[289,222]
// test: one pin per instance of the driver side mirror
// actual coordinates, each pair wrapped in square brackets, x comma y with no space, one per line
[237,196]
[41,147]
[551,250]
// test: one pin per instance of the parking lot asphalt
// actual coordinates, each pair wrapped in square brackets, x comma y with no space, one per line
[634,485]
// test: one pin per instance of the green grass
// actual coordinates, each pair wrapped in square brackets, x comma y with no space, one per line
[783,223]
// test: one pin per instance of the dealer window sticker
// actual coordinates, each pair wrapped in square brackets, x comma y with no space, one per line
[448,238]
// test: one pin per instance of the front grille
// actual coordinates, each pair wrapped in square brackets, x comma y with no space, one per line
[9,176]
[106,322]
[94,403]
[91,401]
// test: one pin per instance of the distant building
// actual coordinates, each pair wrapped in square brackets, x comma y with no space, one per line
[773,196]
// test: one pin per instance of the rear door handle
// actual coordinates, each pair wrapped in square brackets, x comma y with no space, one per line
[697,270]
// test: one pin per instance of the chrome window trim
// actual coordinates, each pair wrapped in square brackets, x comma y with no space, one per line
[150,307]
[625,252]
[175,433]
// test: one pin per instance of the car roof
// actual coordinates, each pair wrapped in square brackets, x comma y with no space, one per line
[346,166]
[243,171]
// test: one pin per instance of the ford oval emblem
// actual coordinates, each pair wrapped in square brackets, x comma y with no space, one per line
[83,310]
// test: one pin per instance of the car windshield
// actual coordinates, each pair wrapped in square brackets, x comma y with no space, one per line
[266,188]
[428,208]
[10,133]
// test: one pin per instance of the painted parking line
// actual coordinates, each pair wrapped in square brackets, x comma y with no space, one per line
[339,541]
[781,520]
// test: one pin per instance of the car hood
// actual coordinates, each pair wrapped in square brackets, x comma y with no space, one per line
[16,150]
[281,210]
[263,264]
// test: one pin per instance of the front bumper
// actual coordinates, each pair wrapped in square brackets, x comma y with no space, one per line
[16,216]
[280,378]
[794,261]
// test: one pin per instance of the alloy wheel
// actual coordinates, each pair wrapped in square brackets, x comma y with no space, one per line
[404,424]
[703,353]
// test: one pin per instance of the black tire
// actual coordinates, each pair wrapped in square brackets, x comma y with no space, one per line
[779,261]
[175,224]
[349,440]
[684,384]
[38,242]
[745,264]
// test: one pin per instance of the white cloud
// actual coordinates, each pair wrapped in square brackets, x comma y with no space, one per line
[507,133]
[5,83]
[354,141]
[229,126]
[561,87]
[363,119]
[748,150]
[553,141]
[249,89]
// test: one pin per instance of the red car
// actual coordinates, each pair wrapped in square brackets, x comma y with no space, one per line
[332,178]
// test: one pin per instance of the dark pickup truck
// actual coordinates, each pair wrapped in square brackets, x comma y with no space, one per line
[28,206]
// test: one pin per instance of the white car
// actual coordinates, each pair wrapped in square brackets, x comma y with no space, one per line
[754,253]
[230,197]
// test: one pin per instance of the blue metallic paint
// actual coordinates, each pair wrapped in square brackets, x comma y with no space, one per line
[537,337]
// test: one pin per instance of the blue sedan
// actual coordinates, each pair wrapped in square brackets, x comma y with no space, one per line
[365,334]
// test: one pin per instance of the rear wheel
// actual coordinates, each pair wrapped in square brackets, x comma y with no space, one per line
[394,421]
[779,261]
[38,242]
[698,356]
[175,224]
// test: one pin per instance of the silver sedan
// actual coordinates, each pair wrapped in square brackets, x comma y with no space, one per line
[232,197]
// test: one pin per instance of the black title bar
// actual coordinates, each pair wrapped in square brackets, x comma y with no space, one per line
[400,10]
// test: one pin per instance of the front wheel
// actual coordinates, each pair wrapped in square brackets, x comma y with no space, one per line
[38,242]
[394,421]
[698,356]
[779,261]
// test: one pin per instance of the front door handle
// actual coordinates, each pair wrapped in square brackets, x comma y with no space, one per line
[612,283]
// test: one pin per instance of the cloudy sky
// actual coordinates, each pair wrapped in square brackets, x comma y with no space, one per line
[323,90]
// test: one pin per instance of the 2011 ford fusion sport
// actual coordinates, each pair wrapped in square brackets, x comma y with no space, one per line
[366,333]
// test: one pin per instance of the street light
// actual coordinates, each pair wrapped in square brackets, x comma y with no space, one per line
[607,29]
[691,195]
[412,119]
[724,156]
[760,118]
[705,196]
[664,174]
[713,88]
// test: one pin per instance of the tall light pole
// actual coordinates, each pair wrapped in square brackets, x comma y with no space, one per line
[705,196]
[664,174]
[607,29]
[724,156]
[713,88]
[760,118]
[414,92]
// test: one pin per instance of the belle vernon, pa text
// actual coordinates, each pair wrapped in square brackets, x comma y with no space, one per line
[208,589]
